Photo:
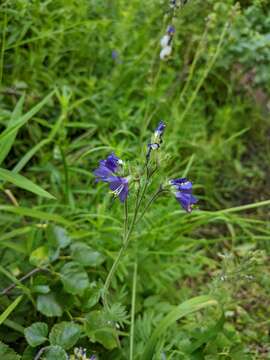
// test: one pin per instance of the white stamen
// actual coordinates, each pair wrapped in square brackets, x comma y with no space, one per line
[117,191]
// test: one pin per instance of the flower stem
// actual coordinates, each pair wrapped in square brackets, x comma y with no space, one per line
[110,275]
[151,200]
[127,234]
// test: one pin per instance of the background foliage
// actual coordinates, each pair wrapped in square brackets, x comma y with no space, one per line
[65,104]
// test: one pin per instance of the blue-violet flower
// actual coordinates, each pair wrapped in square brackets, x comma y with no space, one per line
[183,193]
[106,172]
[160,130]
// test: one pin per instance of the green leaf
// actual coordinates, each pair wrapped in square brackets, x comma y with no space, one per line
[7,143]
[48,305]
[6,353]
[207,335]
[39,256]
[29,353]
[184,309]
[85,255]
[74,278]
[100,330]
[58,236]
[55,353]
[41,289]
[43,255]
[65,334]
[36,334]
[23,119]
[62,236]
[24,183]
[9,309]
[92,295]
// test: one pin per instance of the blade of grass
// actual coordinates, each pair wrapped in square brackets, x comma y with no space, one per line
[17,283]
[14,326]
[24,160]
[133,304]
[7,143]
[14,233]
[184,309]
[23,120]
[22,211]
[9,309]
[24,183]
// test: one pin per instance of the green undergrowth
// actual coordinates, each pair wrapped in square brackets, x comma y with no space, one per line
[190,286]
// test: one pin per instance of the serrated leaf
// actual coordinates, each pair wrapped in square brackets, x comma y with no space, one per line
[65,334]
[55,353]
[48,305]
[85,255]
[74,278]
[6,353]
[24,183]
[36,334]
[100,330]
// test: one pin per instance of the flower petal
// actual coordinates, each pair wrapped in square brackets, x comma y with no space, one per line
[103,173]
[186,200]
[124,193]
[112,162]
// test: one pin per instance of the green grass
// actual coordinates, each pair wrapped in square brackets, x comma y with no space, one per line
[66,104]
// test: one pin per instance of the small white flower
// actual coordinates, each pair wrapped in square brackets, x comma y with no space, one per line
[165,52]
[165,40]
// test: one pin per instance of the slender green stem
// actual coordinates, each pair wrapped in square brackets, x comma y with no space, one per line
[133,303]
[125,218]
[126,239]
[151,200]
[110,275]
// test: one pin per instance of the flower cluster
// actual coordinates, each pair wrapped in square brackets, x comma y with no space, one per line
[166,43]
[156,140]
[109,168]
[107,172]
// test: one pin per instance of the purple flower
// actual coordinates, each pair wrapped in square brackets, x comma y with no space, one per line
[114,54]
[171,30]
[119,187]
[112,162]
[160,129]
[106,172]
[183,193]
